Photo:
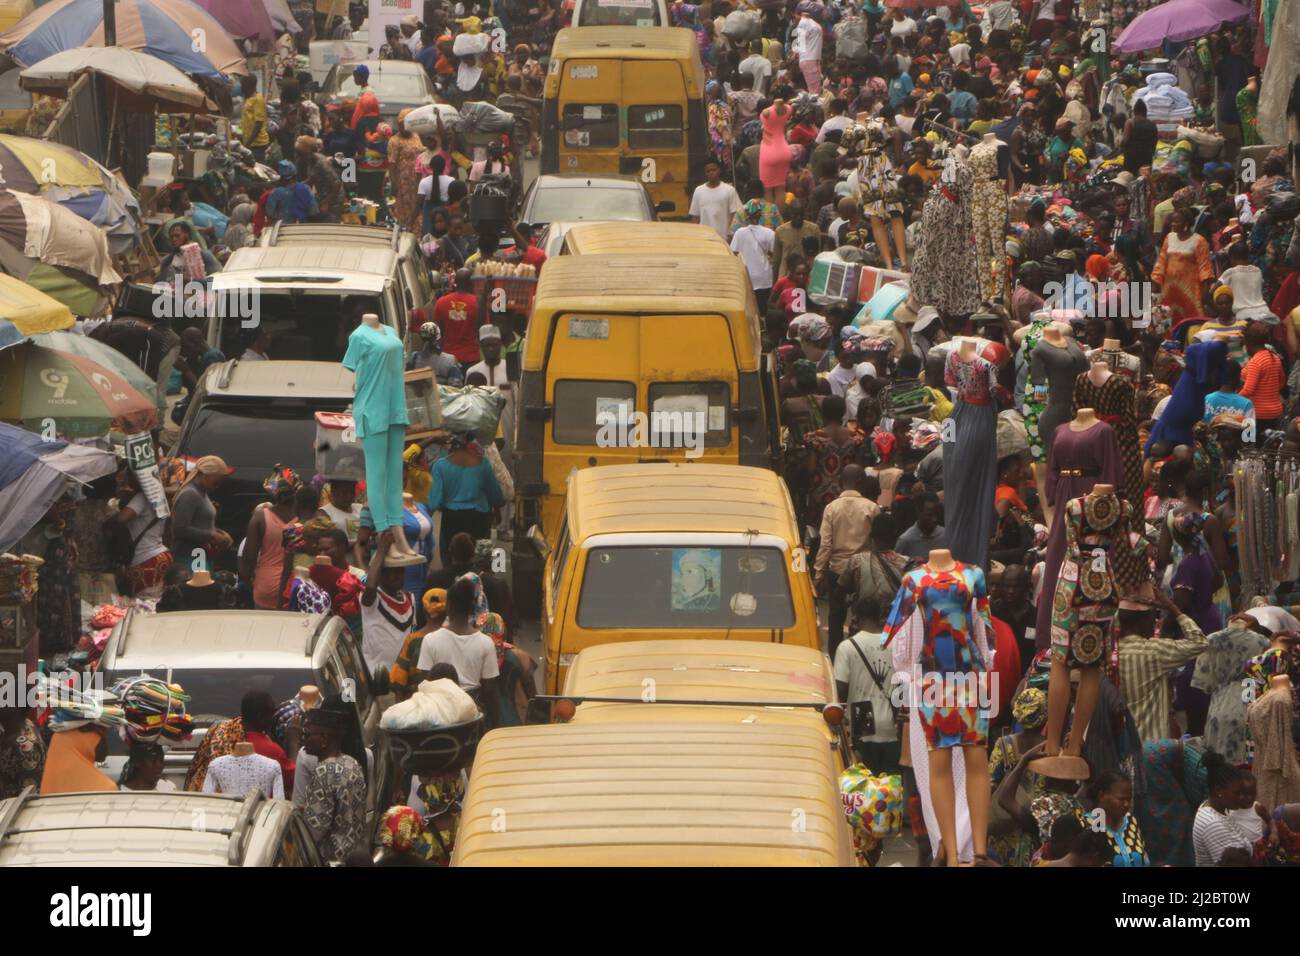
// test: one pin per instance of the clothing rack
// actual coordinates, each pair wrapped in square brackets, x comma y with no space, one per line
[1266,487]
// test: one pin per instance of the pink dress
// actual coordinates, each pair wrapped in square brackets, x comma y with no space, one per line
[774,153]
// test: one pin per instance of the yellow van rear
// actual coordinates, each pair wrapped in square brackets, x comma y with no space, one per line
[635,340]
[675,551]
[632,794]
[681,239]
[630,101]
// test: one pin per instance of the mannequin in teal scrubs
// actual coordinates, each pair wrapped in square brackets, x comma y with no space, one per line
[377,357]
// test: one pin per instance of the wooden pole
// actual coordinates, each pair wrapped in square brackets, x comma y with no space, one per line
[110,23]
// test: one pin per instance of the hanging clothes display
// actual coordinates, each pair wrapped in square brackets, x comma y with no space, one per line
[1079,461]
[1115,402]
[939,626]
[1031,407]
[1274,766]
[970,461]
[945,271]
[1053,369]
[989,213]
[1266,492]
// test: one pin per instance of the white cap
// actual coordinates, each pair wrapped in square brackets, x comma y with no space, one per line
[489,333]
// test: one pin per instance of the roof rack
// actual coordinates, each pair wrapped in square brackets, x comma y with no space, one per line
[235,855]
[124,627]
[15,807]
[394,228]
[223,381]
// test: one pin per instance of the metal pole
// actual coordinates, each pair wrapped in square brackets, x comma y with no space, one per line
[110,23]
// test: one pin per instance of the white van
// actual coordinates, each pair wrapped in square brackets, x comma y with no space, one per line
[621,13]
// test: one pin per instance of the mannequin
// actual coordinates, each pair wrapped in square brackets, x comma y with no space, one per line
[1031,407]
[970,466]
[1269,718]
[201,579]
[945,268]
[376,355]
[309,696]
[989,213]
[940,620]
[1085,604]
[1117,360]
[1115,399]
[417,528]
[1053,366]
[878,192]
[1086,454]
[244,749]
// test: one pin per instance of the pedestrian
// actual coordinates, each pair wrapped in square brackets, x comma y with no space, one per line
[845,531]
[465,491]
[334,801]
[261,560]
[461,643]
[253,130]
[491,367]
[754,243]
[387,606]
[714,202]
[431,356]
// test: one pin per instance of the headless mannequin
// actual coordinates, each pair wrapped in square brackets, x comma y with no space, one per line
[243,749]
[776,194]
[1099,373]
[371,320]
[1110,345]
[966,351]
[989,216]
[1068,764]
[942,789]
[1055,337]
[881,232]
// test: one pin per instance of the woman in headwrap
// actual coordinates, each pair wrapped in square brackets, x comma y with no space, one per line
[1166,796]
[261,565]
[70,763]
[466,491]
[404,151]
[831,447]
[239,233]
[144,769]
[1009,844]
[721,134]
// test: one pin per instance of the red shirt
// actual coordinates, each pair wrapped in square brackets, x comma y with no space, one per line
[267,747]
[1261,381]
[457,315]
[1006,668]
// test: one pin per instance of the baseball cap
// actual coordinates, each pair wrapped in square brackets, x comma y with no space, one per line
[489,333]
[287,169]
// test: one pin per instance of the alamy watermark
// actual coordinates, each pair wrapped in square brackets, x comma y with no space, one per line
[1131,301]
[625,428]
[193,299]
[29,690]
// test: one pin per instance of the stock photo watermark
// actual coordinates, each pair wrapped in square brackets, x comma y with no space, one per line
[625,428]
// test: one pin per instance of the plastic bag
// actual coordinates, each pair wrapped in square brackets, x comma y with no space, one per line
[872,803]
[742,26]
[471,408]
[851,38]
[471,44]
[435,703]
[485,118]
[422,121]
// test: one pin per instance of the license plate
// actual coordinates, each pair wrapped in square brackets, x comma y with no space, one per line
[589,328]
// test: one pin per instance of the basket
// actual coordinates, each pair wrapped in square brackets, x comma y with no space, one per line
[520,290]
[443,750]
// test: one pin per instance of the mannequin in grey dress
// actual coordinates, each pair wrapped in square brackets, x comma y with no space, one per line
[1053,366]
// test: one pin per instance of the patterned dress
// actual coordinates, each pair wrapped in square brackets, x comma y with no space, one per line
[990,217]
[1097,531]
[22,761]
[335,808]
[970,460]
[940,622]
[829,460]
[405,178]
[878,186]
[1219,673]
[1032,407]
[945,272]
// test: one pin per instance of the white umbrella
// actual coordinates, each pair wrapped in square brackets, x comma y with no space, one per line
[138,82]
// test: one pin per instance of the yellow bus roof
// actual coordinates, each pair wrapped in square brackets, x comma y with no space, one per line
[645,284]
[704,670]
[679,496]
[626,43]
[653,795]
[623,238]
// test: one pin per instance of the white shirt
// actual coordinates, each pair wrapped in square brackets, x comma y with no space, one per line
[162,786]
[385,625]
[841,379]
[1247,285]
[349,522]
[1046,10]
[473,655]
[758,68]
[150,544]
[999,15]
[426,187]
[714,206]
[850,669]
[495,374]
[902,28]
[808,39]
[238,775]
[252,356]
[754,244]
[835,122]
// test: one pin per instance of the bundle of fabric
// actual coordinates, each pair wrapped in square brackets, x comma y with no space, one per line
[1165,101]
[153,709]
[71,708]
[873,804]
[435,703]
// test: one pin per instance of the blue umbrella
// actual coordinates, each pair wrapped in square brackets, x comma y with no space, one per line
[9,334]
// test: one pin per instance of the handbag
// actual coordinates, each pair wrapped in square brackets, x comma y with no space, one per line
[862,713]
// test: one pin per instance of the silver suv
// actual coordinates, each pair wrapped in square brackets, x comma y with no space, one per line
[133,828]
[218,656]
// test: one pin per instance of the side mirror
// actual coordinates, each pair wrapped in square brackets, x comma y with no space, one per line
[539,542]
[666,205]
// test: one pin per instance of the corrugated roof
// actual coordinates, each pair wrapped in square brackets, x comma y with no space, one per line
[688,496]
[676,794]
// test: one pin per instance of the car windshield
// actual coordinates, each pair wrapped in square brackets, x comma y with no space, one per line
[401,85]
[259,435]
[583,203]
[619,13]
[304,325]
[694,587]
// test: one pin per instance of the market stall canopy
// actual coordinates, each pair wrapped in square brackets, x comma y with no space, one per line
[29,311]
[137,82]
[73,180]
[34,473]
[81,397]
[105,355]
[57,252]
[242,19]
[1174,22]
[163,28]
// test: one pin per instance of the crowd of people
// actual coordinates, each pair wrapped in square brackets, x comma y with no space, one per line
[1005,174]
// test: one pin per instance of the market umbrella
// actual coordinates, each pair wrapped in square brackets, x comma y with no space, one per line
[137,82]
[105,355]
[74,181]
[84,399]
[282,17]
[1176,21]
[242,19]
[34,473]
[57,252]
[162,28]
[29,311]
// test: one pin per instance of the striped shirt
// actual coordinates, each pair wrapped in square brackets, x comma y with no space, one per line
[1261,382]
[1145,666]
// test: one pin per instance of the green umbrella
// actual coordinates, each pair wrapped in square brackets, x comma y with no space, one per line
[105,355]
[75,397]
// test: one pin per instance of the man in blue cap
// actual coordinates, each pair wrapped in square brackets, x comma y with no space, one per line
[292,201]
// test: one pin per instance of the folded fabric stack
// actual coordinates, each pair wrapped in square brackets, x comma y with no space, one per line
[70,708]
[153,709]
